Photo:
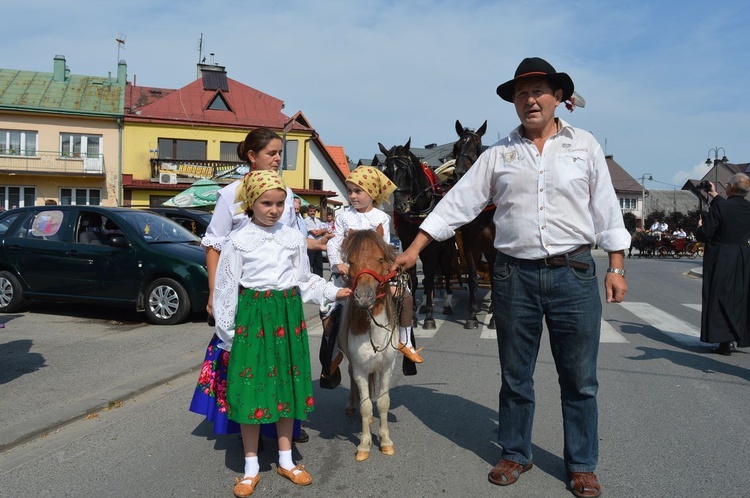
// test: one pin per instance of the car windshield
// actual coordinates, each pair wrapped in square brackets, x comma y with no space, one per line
[157,229]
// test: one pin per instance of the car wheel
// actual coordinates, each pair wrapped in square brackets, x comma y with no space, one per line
[11,296]
[167,302]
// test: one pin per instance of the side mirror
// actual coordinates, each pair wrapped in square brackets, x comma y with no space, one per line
[119,241]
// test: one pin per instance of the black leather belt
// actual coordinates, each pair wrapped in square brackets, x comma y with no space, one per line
[560,259]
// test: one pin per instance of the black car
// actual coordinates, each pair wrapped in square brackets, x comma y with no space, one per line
[102,255]
[194,220]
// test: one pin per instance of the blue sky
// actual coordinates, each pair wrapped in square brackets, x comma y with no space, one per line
[664,82]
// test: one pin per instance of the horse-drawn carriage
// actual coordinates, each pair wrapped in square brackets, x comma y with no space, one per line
[653,244]
[678,247]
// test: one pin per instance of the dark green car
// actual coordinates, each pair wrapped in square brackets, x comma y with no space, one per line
[102,255]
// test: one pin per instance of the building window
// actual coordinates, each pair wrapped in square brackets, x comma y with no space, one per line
[76,145]
[290,154]
[219,103]
[228,151]
[194,150]
[158,200]
[80,196]
[18,143]
[628,204]
[12,197]
[315,184]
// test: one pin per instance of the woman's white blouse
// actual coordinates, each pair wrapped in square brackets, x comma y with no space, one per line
[263,258]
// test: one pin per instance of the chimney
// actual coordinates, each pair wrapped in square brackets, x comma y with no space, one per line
[59,72]
[122,72]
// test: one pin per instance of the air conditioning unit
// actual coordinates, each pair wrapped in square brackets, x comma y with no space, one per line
[168,178]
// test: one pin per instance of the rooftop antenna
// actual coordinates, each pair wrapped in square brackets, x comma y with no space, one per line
[201,59]
[120,39]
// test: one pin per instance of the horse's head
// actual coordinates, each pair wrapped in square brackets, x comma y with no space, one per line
[467,148]
[404,170]
[369,259]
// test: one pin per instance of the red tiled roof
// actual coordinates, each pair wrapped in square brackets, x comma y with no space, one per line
[248,107]
[339,156]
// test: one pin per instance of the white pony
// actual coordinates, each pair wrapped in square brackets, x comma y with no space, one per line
[369,333]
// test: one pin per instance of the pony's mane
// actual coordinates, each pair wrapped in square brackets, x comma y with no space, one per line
[357,238]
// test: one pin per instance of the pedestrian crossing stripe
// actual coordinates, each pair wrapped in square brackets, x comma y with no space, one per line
[668,324]
[676,328]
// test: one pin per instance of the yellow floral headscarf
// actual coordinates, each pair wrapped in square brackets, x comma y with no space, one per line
[254,184]
[372,181]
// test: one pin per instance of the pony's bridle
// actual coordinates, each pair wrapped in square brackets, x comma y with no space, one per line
[402,283]
[383,279]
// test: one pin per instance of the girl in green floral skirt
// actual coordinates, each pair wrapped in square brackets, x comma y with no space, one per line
[262,278]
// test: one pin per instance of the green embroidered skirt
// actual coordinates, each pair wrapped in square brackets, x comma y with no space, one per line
[269,374]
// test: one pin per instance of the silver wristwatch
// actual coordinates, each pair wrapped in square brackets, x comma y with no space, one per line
[616,270]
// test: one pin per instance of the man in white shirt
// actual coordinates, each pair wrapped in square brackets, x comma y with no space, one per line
[554,197]
[299,221]
[315,230]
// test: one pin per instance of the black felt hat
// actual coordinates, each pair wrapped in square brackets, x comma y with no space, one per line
[535,66]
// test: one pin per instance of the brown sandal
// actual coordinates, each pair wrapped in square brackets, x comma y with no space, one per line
[411,353]
[584,484]
[298,475]
[507,472]
[246,486]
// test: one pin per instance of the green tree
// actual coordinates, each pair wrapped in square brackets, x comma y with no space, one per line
[631,222]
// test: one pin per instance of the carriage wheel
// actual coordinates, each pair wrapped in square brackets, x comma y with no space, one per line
[663,252]
[677,254]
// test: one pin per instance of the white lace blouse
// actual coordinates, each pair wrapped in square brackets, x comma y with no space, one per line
[263,258]
[351,219]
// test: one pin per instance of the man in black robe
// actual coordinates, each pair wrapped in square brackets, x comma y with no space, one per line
[726,267]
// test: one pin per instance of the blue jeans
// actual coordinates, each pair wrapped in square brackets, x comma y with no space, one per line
[568,299]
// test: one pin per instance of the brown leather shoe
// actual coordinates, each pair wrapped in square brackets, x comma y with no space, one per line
[245,487]
[507,472]
[297,475]
[584,484]
[410,352]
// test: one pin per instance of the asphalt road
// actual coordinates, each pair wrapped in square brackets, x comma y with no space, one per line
[672,415]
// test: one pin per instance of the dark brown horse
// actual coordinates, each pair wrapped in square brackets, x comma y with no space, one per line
[644,242]
[477,238]
[415,196]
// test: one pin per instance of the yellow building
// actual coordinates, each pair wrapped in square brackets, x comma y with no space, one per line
[175,137]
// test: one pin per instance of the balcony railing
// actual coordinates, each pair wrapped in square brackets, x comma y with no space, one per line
[42,162]
[187,168]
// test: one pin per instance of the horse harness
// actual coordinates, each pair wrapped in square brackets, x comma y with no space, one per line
[401,278]
[432,191]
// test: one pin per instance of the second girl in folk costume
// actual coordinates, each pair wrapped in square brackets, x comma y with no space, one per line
[367,188]
[262,278]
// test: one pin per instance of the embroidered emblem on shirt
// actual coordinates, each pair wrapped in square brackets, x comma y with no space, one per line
[509,156]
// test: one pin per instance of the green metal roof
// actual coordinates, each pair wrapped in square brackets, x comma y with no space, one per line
[32,91]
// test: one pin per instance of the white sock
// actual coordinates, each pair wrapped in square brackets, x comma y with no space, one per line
[251,466]
[404,335]
[285,460]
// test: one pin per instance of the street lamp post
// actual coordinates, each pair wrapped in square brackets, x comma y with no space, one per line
[724,159]
[646,176]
